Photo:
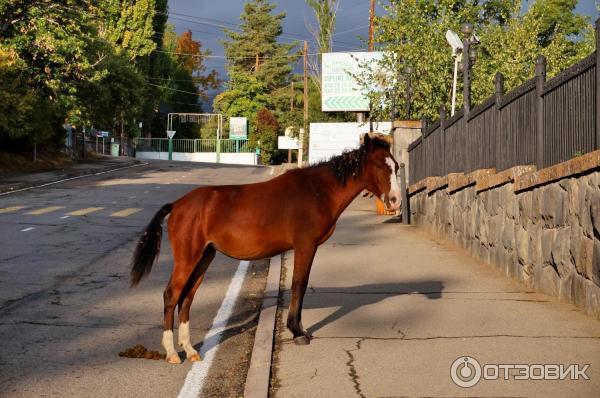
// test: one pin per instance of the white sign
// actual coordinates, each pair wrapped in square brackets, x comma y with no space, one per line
[341,91]
[238,128]
[331,139]
[284,142]
[170,133]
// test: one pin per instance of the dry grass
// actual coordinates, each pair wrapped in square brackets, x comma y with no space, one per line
[12,162]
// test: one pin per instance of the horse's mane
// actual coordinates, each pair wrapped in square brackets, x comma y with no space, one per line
[350,163]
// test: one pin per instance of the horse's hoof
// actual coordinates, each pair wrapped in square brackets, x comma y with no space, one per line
[195,358]
[174,359]
[302,340]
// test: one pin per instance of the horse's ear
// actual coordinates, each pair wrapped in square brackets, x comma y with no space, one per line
[367,140]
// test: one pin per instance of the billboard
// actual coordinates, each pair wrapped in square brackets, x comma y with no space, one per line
[238,128]
[340,91]
[331,139]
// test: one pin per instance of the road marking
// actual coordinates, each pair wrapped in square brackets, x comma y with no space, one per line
[27,229]
[45,210]
[85,211]
[72,178]
[63,217]
[194,381]
[12,208]
[125,212]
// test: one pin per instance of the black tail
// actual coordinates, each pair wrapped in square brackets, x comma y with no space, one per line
[148,246]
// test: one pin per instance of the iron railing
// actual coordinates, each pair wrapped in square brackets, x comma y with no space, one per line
[540,122]
[192,145]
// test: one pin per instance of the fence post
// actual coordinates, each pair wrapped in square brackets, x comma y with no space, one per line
[404,193]
[598,83]
[540,78]
[499,93]
[442,170]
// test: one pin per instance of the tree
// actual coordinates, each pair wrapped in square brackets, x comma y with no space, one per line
[325,14]
[510,41]
[255,49]
[264,134]
[129,25]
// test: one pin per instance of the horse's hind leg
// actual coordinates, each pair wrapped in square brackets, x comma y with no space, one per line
[185,302]
[185,261]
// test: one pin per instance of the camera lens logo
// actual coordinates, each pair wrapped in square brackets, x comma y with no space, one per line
[465,372]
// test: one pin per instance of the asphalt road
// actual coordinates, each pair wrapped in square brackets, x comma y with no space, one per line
[66,309]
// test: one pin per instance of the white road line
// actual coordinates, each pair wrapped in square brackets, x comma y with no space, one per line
[27,229]
[72,178]
[63,217]
[194,381]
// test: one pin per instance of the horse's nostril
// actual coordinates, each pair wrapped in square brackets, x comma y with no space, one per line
[393,199]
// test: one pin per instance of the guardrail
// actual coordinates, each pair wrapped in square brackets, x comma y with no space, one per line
[185,145]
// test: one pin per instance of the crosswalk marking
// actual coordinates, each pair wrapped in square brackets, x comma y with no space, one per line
[12,208]
[45,210]
[85,211]
[125,212]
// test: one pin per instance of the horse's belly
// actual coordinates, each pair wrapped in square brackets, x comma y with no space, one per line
[251,246]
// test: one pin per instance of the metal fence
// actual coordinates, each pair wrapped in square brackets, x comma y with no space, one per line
[540,122]
[193,145]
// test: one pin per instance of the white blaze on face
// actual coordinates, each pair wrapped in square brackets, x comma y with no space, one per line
[394,194]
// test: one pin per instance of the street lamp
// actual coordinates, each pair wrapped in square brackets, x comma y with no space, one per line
[470,40]
[408,71]
[457,48]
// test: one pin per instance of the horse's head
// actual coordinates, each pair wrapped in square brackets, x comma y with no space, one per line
[380,172]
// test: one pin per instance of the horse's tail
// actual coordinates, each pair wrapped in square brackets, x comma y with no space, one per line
[148,246]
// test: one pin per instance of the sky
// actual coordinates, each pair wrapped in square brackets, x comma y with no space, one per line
[206,17]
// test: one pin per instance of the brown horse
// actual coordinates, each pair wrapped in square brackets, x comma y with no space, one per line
[297,210]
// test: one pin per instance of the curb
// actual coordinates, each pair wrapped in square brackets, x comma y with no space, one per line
[259,372]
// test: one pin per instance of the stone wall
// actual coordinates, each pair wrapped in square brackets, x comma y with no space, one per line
[546,235]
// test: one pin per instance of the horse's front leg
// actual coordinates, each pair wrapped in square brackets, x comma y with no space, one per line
[303,258]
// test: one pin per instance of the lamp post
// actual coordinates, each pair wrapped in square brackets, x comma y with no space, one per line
[470,40]
[408,71]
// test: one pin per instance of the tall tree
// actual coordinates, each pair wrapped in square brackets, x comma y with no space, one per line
[255,48]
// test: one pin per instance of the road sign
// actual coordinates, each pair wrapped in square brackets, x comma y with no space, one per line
[238,128]
[340,90]
[284,142]
[171,133]
[102,134]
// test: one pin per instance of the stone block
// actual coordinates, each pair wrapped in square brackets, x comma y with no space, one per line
[549,282]
[522,246]
[546,241]
[592,299]
[578,290]
[561,255]
[553,206]
[508,234]
[592,270]
[582,252]
[566,286]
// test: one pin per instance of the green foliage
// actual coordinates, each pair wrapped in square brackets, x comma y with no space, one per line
[256,50]
[264,134]
[92,63]
[510,42]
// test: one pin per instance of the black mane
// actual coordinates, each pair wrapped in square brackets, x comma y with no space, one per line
[350,163]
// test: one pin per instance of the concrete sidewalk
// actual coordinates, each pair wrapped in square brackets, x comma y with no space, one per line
[391,309]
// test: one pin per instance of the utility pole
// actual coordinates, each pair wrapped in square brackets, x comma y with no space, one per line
[305,129]
[371,24]
[291,111]
[371,34]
